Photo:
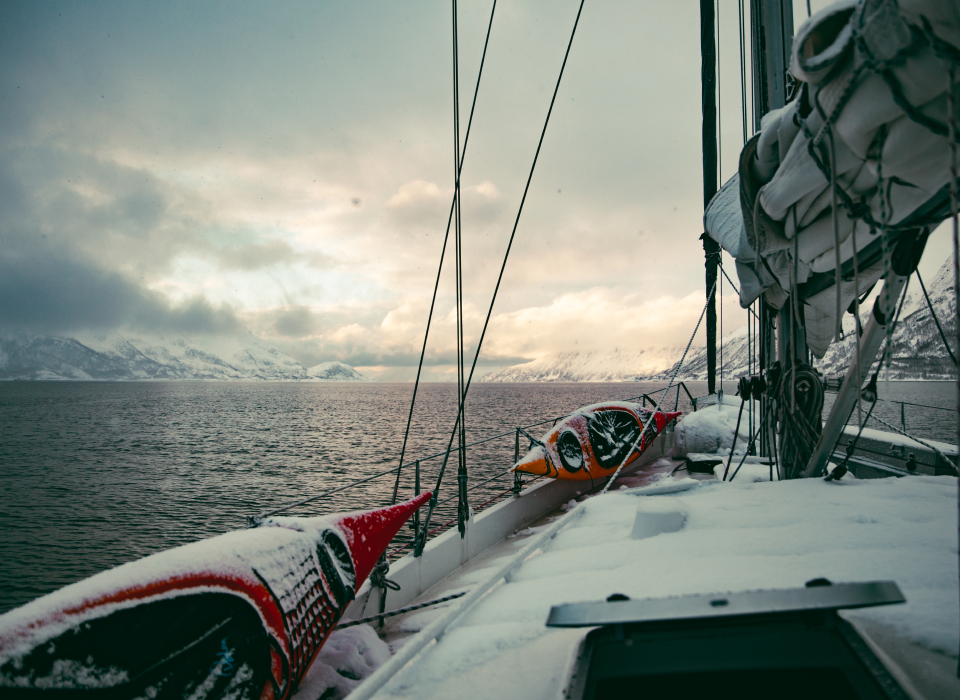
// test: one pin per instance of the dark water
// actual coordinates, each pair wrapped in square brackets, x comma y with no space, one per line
[93,474]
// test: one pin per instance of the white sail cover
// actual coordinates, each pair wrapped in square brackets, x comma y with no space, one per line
[873,100]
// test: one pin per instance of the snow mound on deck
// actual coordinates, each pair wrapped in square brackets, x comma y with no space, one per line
[348,656]
[711,430]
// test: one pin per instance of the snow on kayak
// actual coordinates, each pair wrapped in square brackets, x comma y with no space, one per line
[241,615]
[593,441]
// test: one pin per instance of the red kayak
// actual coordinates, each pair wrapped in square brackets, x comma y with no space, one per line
[239,616]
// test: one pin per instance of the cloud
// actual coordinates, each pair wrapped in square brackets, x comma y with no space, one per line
[602,318]
[386,340]
[153,170]
[253,256]
[83,238]
[295,322]
[417,193]
[43,291]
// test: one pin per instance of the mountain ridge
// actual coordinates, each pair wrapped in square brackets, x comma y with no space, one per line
[917,351]
[138,356]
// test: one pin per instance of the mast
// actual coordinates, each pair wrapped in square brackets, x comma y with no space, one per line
[771,24]
[711,249]
[771,37]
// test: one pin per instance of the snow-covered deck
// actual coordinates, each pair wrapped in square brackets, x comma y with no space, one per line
[736,537]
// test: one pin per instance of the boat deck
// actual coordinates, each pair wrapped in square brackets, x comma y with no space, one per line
[396,630]
[738,536]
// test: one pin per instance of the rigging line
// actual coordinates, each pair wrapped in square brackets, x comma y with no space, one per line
[837,330]
[952,139]
[883,354]
[401,611]
[856,317]
[743,72]
[443,250]
[458,242]
[753,441]
[916,439]
[852,446]
[750,310]
[935,319]
[503,266]
[653,414]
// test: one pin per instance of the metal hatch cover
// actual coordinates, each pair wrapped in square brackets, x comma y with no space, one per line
[824,597]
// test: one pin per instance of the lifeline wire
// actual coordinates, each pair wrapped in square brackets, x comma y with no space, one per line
[916,439]
[664,395]
[443,250]
[503,267]
[401,611]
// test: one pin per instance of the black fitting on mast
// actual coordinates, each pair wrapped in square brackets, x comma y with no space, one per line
[711,249]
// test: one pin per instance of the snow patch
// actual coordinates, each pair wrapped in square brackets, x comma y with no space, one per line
[348,657]
[710,430]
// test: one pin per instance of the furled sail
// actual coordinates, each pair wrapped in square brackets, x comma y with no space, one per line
[858,160]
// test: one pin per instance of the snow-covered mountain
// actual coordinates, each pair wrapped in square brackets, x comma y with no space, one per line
[336,372]
[617,365]
[918,351]
[136,355]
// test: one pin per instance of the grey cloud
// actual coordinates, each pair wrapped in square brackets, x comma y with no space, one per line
[82,238]
[295,322]
[126,218]
[43,291]
[191,90]
[253,256]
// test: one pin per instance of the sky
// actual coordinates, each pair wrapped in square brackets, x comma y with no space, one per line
[287,168]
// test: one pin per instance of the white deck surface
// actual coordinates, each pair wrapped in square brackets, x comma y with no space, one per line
[736,537]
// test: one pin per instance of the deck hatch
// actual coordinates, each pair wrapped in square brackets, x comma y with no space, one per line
[787,643]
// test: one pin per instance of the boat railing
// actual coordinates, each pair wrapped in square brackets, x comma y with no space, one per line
[903,410]
[515,488]
[910,455]
[903,414]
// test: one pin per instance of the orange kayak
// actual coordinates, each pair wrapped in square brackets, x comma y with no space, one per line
[593,441]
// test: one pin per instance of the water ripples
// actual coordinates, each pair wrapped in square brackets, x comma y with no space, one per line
[97,474]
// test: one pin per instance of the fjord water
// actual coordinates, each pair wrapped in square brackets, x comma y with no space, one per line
[95,474]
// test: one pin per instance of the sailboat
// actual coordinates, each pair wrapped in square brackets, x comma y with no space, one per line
[661,581]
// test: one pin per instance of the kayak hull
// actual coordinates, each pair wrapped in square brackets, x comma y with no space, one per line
[241,615]
[594,441]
